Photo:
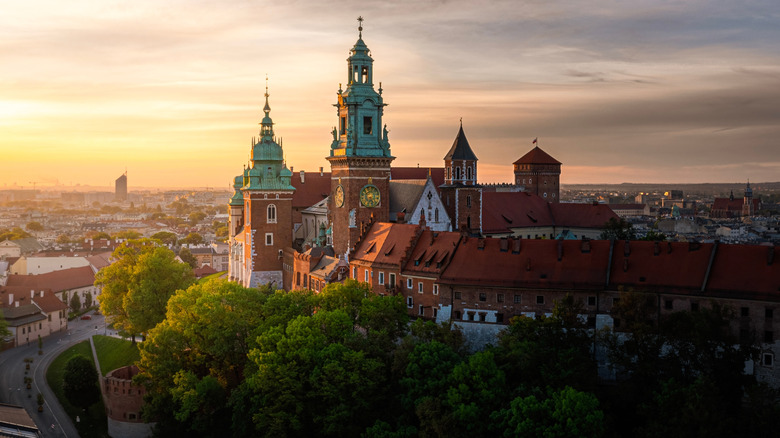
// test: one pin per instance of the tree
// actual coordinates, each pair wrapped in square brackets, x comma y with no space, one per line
[63,239]
[566,413]
[80,382]
[186,255]
[137,286]
[192,239]
[165,237]
[196,216]
[34,226]
[4,332]
[75,303]
[14,233]
[97,235]
[654,235]
[127,235]
[88,300]
[618,229]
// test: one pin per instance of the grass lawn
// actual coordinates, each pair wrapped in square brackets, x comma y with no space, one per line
[209,277]
[93,422]
[114,353]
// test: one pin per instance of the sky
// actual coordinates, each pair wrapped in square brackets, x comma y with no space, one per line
[172,90]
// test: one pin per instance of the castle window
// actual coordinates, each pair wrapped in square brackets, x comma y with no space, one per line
[421,310]
[381,278]
[545,194]
[354,272]
[364,75]
[419,287]
[269,239]
[409,302]
[392,279]
[482,296]
[540,299]
[368,126]
[436,215]
[343,125]
[365,275]
[457,172]
[457,314]
[768,359]
[500,298]
[409,283]
[530,180]
[272,214]
[435,312]
[436,289]
[468,173]
[517,299]
[468,201]
[356,74]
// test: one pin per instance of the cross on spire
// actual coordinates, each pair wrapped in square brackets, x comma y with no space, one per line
[360,26]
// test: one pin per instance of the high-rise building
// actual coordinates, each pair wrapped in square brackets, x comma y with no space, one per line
[120,188]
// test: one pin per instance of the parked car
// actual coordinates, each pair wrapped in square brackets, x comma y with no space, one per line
[86,317]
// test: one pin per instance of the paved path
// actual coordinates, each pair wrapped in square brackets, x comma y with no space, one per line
[53,421]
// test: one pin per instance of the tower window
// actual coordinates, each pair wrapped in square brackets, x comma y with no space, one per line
[272,214]
[356,74]
[269,239]
[468,201]
[457,172]
[343,125]
[364,75]
[368,126]
[468,173]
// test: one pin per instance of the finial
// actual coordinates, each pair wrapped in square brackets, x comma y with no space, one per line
[360,26]
[461,122]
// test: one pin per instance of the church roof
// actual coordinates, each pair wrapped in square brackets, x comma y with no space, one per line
[460,149]
[405,194]
[537,156]
[403,173]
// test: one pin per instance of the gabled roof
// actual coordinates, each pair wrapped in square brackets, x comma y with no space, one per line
[314,188]
[28,245]
[405,194]
[746,268]
[460,149]
[57,281]
[433,252]
[537,156]
[667,265]
[385,243]
[520,263]
[401,173]
[503,212]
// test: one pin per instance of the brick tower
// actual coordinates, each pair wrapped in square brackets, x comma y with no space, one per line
[360,153]
[539,173]
[461,195]
[260,220]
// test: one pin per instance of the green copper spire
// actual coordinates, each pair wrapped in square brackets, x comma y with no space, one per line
[267,125]
[361,131]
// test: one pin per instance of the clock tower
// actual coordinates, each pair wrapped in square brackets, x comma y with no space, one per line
[359,154]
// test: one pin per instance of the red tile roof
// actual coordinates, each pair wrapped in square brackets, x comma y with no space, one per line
[385,243]
[529,264]
[677,266]
[537,156]
[313,189]
[504,211]
[746,268]
[57,281]
[437,173]
[433,252]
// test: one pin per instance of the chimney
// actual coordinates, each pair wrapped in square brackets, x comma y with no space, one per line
[41,294]
[32,294]
[303,177]
[321,174]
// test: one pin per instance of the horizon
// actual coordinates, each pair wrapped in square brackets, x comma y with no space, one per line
[631,91]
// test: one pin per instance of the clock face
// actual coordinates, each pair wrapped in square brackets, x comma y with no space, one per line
[339,196]
[369,196]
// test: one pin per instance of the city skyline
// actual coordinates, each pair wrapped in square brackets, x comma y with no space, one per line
[173,91]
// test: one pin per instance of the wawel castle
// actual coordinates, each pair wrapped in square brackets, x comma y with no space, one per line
[462,251]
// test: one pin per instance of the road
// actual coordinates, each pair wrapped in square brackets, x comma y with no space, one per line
[53,421]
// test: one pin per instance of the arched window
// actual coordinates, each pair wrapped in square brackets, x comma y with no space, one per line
[457,172]
[272,214]
[468,173]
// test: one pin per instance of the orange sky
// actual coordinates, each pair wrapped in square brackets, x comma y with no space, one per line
[172,91]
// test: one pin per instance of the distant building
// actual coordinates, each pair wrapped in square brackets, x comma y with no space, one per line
[732,207]
[120,188]
[16,422]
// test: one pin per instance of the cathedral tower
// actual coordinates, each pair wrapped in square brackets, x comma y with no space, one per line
[461,195]
[261,212]
[360,153]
